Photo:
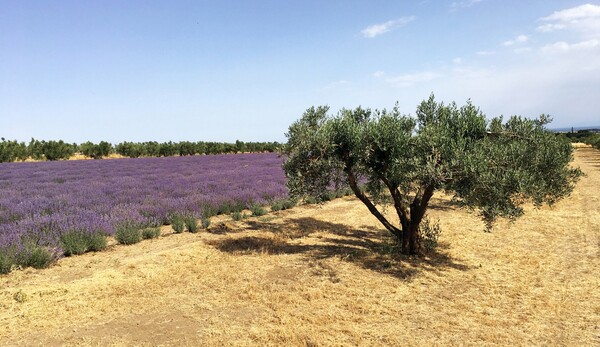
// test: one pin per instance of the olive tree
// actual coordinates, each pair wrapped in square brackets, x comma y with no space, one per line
[389,159]
[96,151]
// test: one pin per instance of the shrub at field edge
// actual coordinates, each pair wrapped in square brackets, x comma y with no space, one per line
[128,234]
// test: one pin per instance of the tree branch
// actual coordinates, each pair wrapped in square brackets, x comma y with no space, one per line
[374,211]
[508,134]
[419,205]
[398,205]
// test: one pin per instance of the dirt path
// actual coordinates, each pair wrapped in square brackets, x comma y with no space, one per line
[322,276]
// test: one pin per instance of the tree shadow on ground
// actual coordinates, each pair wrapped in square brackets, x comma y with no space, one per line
[438,204]
[590,156]
[228,227]
[372,249]
[595,165]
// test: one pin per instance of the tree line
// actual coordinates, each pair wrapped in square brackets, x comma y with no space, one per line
[589,136]
[11,151]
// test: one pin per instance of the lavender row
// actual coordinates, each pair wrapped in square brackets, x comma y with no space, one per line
[40,202]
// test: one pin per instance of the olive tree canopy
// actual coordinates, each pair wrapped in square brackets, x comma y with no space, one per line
[386,158]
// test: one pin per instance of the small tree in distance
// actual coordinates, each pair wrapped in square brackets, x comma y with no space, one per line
[387,158]
[96,151]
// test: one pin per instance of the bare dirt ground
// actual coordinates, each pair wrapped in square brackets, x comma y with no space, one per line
[324,276]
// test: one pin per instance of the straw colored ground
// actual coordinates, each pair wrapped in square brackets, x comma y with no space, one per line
[323,276]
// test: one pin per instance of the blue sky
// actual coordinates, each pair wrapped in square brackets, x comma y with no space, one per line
[227,70]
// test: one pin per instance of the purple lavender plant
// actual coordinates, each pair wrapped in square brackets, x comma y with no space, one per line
[41,202]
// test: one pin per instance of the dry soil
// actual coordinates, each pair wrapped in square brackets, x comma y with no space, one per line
[327,276]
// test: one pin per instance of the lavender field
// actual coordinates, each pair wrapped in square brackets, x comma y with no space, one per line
[43,201]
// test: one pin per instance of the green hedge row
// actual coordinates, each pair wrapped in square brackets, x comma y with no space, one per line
[55,150]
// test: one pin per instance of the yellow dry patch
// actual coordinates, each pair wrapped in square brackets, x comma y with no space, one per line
[79,156]
[580,145]
[325,276]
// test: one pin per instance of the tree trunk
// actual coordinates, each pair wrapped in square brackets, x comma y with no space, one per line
[410,240]
[410,237]
[410,216]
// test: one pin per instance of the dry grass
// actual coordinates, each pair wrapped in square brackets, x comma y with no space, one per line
[79,156]
[580,145]
[324,276]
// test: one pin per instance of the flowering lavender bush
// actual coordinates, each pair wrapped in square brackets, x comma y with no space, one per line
[41,202]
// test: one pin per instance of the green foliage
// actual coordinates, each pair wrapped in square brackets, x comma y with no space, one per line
[97,242]
[191,224]
[168,149]
[178,224]
[311,200]
[209,211]
[6,261]
[430,233]
[38,257]
[289,203]
[31,255]
[257,210]
[387,158]
[240,146]
[237,216]
[589,136]
[12,150]
[150,233]
[56,150]
[128,234]
[79,242]
[593,139]
[186,148]
[284,204]
[205,222]
[129,149]
[74,242]
[35,149]
[96,151]
[150,149]
[328,196]
[277,206]
[389,247]
[343,192]
[226,208]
